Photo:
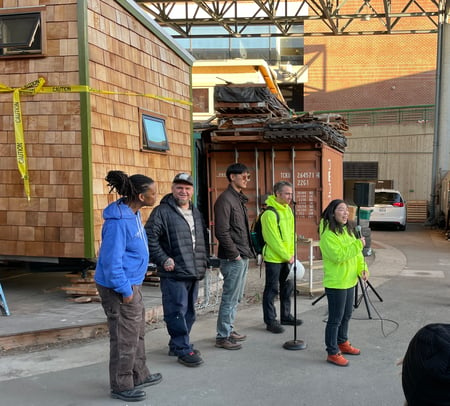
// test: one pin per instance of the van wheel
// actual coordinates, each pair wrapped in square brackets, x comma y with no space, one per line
[402,228]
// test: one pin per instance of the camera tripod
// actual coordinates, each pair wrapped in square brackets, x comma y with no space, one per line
[360,298]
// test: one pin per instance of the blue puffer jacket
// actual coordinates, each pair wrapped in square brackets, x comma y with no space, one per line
[169,236]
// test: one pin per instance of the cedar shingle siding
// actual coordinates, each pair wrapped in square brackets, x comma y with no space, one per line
[124,55]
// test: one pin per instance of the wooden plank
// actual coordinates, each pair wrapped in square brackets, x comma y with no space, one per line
[74,279]
[236,138]
[85,299]
[43,337]
[80,290]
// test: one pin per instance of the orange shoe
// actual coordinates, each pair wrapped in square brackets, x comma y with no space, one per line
[346,348]
[337,359]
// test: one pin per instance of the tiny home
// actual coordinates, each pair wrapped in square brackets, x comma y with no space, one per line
[85,87]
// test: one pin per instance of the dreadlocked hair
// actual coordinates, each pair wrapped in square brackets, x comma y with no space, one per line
[129,187]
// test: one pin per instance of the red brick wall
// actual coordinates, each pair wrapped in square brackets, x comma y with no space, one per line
[350,72]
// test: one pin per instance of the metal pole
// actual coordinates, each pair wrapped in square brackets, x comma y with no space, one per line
[435,160]
[257,180]
[273,167]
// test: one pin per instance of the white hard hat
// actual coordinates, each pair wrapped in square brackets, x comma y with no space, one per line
[300,270]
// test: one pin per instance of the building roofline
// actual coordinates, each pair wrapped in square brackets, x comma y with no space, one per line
[144,18]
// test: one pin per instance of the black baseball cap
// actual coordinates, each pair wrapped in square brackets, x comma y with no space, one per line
[183,178]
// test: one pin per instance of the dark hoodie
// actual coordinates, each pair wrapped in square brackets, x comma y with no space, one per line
[169,236]
[123,257]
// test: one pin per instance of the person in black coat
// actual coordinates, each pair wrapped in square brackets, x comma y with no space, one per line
[235,250]
[426,367]
[177,240]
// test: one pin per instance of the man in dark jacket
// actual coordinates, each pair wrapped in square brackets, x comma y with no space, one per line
[235,249]
[177,241]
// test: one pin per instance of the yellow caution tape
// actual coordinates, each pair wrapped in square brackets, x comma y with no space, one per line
[37,86]
[21,153]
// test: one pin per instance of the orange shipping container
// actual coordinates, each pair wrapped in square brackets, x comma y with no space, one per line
[314,169]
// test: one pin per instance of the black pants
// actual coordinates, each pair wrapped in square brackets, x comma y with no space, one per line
[126,323]
[276,276]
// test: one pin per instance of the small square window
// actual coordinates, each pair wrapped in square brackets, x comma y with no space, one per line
[21,33]
[154,133]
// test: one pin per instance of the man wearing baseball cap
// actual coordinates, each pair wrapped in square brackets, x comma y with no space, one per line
[178,241]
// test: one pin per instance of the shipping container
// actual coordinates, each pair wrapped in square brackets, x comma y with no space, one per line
[314,169]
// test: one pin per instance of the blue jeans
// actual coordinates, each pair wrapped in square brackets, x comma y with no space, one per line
[276,275]
[234,274]
[178,300]
[340,308]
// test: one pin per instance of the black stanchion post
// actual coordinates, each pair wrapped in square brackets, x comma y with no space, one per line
[295,344]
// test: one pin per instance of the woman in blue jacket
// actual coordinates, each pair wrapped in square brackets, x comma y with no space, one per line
[121,268]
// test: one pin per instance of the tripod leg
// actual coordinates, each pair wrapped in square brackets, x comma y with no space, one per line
[318,299]
[374,291]
[357,301]
[364,295]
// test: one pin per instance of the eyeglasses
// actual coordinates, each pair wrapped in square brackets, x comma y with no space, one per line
[245,176]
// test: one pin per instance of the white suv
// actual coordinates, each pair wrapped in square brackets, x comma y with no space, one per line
[390,208]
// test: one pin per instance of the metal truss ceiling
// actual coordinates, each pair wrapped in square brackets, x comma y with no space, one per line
[319,17]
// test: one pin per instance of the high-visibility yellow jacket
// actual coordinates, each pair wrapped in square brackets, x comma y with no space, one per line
[342,256]
[279,247]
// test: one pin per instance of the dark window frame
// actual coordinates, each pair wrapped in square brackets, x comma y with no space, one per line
[160,143]
[31,44]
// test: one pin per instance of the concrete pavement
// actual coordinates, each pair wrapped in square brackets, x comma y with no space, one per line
[414,293]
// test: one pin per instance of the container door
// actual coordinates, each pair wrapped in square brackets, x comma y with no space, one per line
[218,164]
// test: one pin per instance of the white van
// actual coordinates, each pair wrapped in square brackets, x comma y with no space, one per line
[390,208]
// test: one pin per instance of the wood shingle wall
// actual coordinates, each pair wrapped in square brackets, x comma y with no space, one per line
[123,56]
[51,223]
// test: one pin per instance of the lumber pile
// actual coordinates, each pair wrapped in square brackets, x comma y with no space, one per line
[307,127]
[81,288]
[246,108]
[151,278]
[252,113]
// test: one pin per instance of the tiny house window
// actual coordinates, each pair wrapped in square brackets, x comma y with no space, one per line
[154,133]
[22,32]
